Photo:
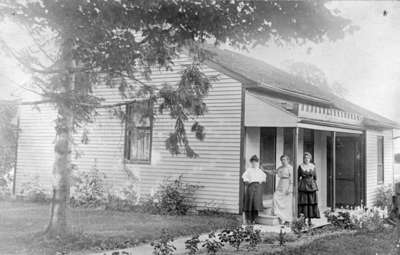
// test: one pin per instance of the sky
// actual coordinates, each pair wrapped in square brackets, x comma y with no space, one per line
[366,63]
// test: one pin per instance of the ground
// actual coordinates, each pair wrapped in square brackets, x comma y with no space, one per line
[323,242]
[21,224]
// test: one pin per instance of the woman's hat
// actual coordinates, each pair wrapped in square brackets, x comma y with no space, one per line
[254,158]
[308,154]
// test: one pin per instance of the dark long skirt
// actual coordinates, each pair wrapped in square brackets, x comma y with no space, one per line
[253,197]
[253,201]
[308,204]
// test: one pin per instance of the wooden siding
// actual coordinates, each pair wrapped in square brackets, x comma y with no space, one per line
[372,162]
[35,145]
[216,169]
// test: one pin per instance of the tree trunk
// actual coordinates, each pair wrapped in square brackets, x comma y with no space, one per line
[63,147]
[61,186]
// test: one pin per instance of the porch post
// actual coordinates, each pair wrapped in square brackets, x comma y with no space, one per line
[295,173]
[333,167]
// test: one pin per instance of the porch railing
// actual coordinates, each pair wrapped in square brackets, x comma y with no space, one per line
[327,114]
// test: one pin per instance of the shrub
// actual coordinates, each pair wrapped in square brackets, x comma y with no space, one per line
[383,197]
[172,198]
[253,237]
[163,246]
[371,219]
[88,189]
[6,183]
[299,224]
[360,218]
[212,244]
[192,245]
[233,236]
[122,199]
[339,218]
[282,237]
[33,191]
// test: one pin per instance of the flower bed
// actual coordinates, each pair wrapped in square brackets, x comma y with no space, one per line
[360,218]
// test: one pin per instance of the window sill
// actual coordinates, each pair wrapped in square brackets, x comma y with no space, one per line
[137,162]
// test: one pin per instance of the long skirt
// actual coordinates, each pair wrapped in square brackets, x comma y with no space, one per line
[283,201]
[308,204]
[253,197]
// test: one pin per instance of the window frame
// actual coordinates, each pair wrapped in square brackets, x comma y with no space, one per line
[127,138]
[380,171]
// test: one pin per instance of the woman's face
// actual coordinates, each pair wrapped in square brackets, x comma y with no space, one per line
[285,161]
[254,164]
[307,159]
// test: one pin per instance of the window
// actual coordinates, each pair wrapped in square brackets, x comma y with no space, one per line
[381,175]
[138,133]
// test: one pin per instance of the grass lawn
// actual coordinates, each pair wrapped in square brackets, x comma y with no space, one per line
[22,223]
[358,244]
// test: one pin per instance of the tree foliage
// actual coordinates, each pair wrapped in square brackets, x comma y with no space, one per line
[8,136]
[123,40]
[316,77]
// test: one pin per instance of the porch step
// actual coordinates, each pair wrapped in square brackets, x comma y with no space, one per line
[267,211]
[267,219]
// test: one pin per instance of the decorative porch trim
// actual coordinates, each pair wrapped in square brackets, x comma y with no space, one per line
[326,128]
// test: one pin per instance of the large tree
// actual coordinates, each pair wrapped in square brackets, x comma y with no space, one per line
[315,76]
[80,43]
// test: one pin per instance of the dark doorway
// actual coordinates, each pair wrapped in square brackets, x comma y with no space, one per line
[268,158]
[348,170]
[308,142]
[288,143]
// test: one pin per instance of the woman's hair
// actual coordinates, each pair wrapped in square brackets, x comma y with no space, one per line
[284,156]
[308,154]
[254,158]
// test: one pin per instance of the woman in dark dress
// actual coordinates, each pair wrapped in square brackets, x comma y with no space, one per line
[308,201]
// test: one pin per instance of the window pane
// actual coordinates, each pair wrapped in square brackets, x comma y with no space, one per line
[138,139]
[140,145]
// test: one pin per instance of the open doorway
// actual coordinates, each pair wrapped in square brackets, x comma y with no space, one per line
[348,176]
[268,160]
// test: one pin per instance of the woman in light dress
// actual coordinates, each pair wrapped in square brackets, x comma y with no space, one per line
[282,202]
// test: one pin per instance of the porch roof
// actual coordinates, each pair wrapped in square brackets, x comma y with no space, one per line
[261,76]
[265,111]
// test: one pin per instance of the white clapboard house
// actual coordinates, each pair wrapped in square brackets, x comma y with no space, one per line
[253,108]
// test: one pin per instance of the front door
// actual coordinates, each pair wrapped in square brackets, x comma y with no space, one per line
[268,158]
[348,171]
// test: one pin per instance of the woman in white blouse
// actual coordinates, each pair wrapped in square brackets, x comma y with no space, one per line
[253,178]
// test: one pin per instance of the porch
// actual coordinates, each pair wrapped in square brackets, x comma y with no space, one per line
[331,136]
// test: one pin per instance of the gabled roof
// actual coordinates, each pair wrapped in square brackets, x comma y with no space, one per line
[266,77]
